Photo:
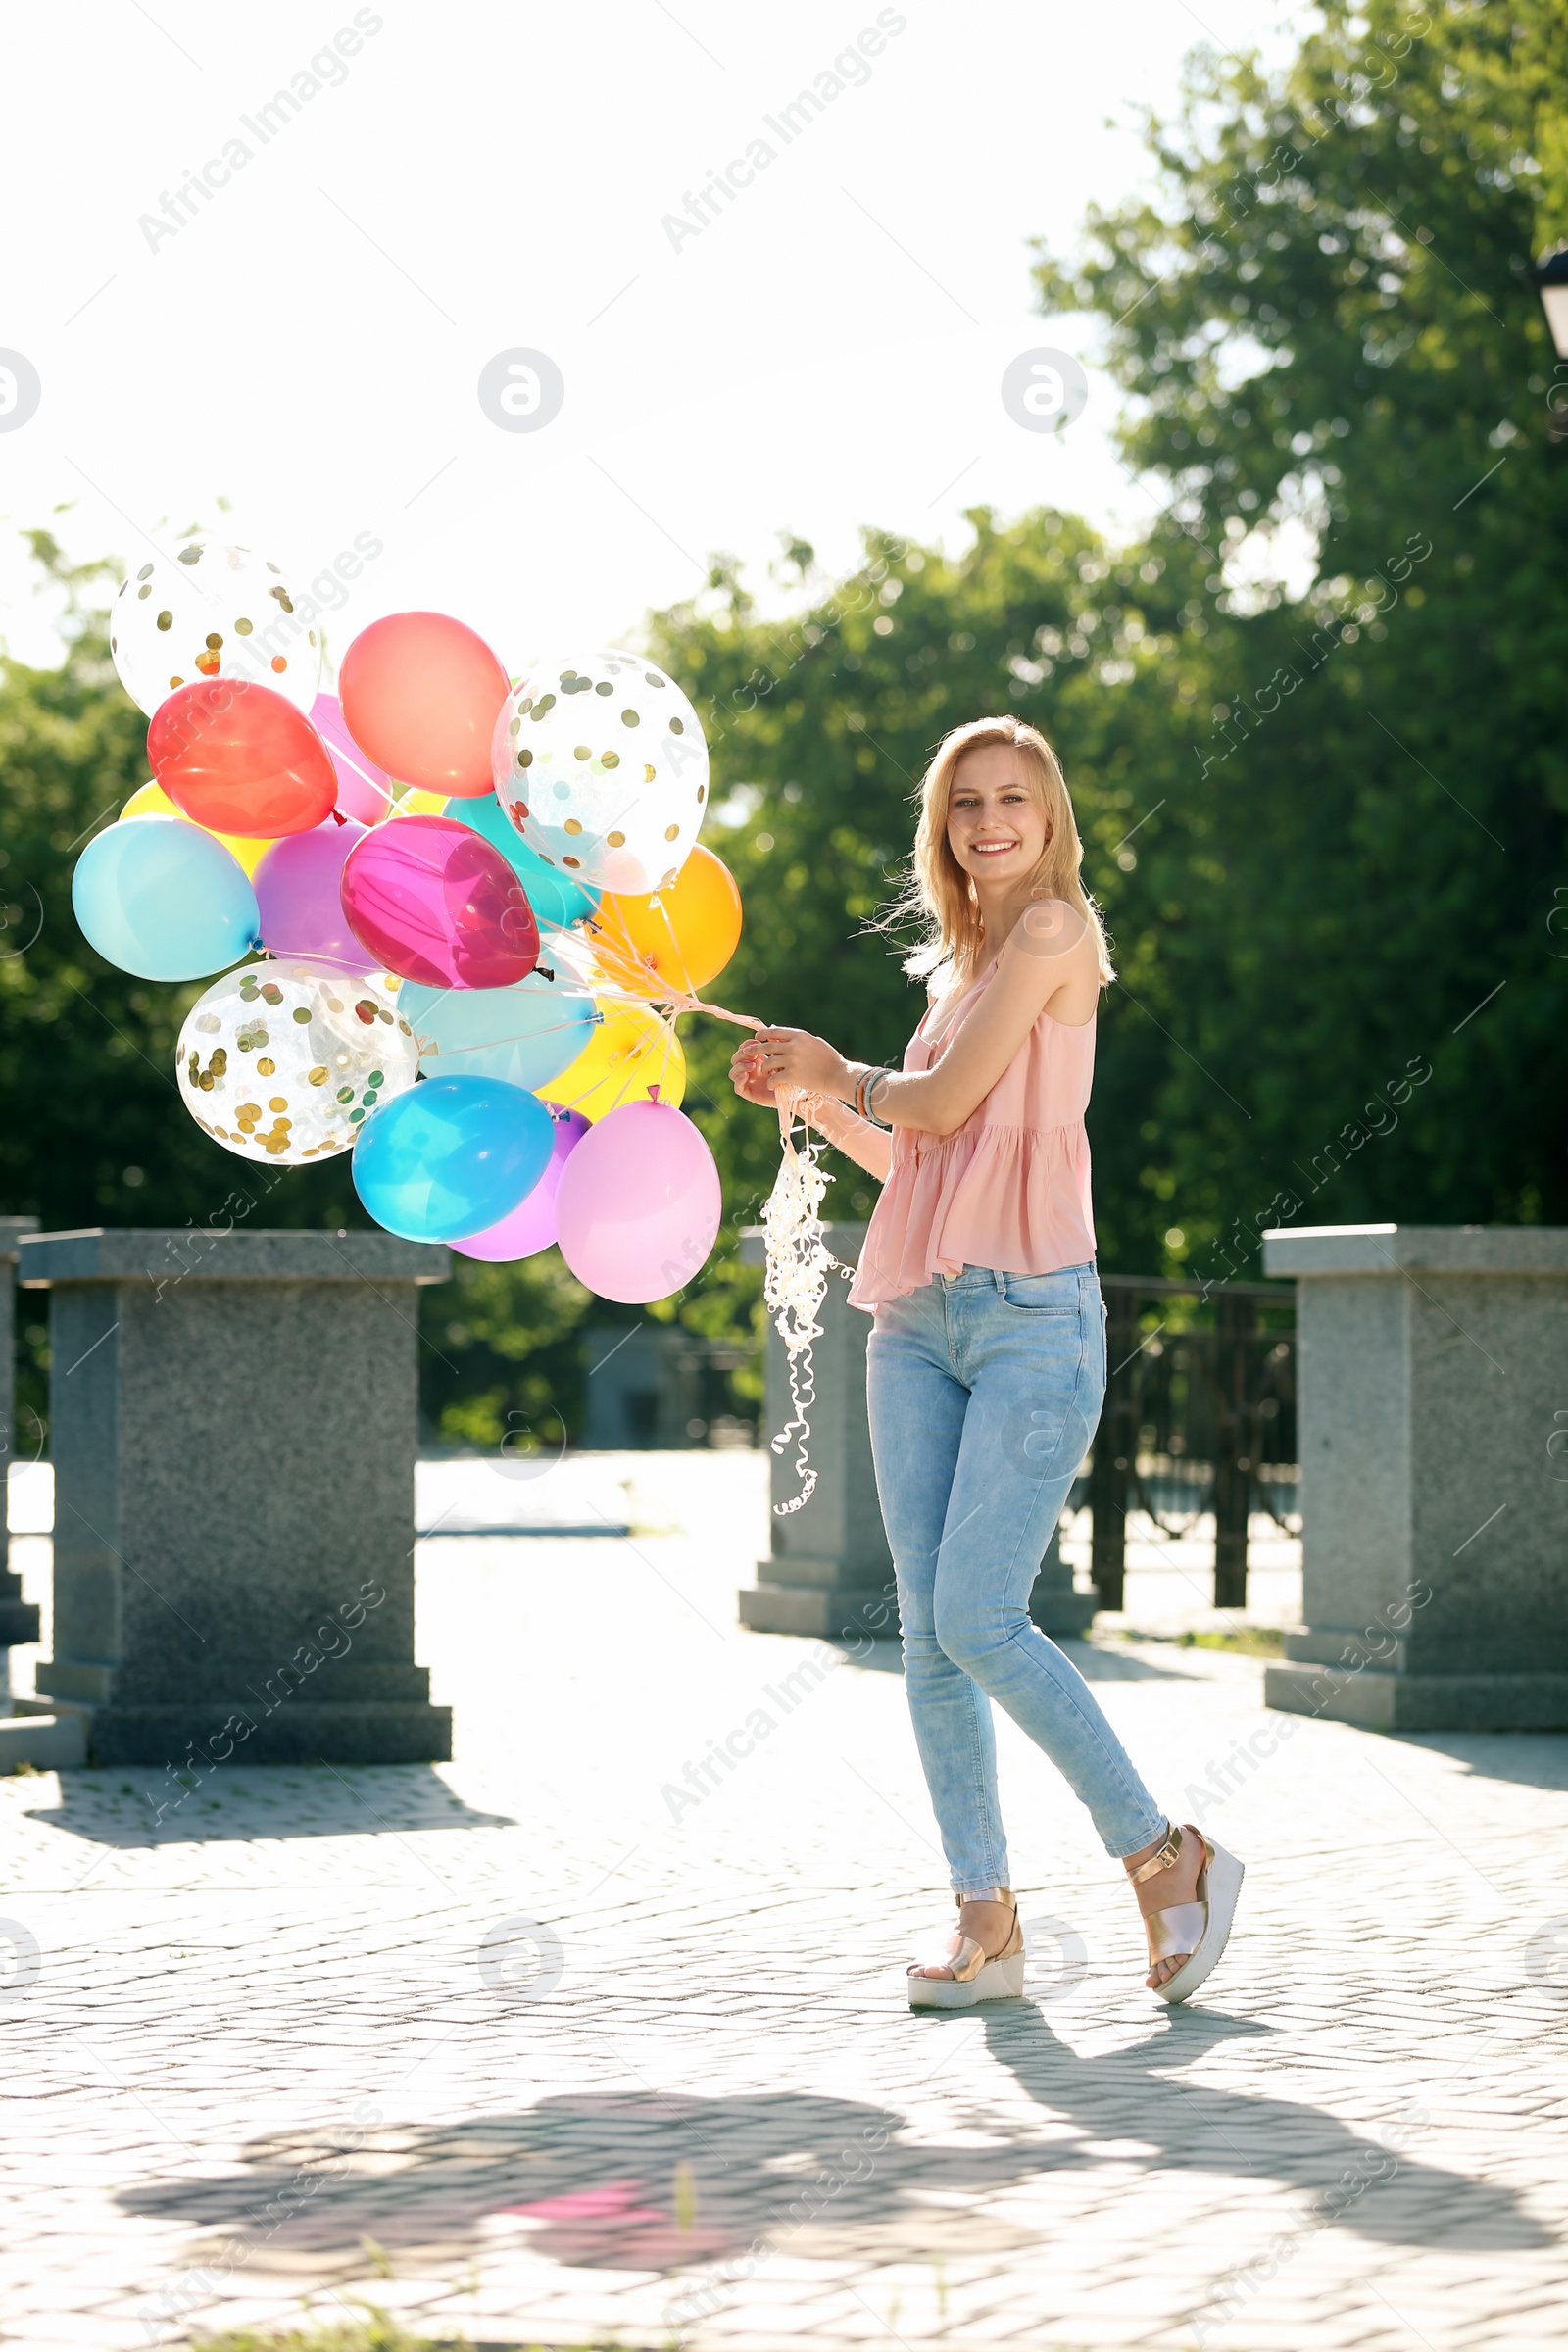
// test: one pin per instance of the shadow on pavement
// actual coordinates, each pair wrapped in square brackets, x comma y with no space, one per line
[133,1807]
[668,2184]
[1530,1760]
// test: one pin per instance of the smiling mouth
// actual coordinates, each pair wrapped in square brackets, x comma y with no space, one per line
[992,848]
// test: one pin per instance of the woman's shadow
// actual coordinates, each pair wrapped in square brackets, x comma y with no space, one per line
[661,2182]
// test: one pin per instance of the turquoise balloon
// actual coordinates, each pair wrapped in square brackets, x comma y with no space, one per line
[524,1035]
[161,899]
[553,896]
[451,1156]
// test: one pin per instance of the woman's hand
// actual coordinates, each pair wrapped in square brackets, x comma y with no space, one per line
[748,1075]
[794,1058]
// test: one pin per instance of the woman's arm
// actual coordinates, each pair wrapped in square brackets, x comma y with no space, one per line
[870,1147]
[1035,973]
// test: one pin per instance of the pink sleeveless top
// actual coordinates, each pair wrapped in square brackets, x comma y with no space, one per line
[1009,1188]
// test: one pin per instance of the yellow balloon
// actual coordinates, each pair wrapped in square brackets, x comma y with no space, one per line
[411,799]
[630,1053]
[151,800]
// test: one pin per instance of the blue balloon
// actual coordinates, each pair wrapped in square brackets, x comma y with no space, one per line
[524,1034]
[161,899]
[451,1156]
[553,896]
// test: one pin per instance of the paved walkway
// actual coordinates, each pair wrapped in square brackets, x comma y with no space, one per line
[595,2033]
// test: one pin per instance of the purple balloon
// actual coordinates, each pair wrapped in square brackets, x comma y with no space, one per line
[639,1204]
[531,1226]
[364,789]
[297,887]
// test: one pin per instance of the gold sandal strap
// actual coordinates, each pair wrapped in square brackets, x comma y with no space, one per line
[964,1965]
[1160,1861]
[1180,1928]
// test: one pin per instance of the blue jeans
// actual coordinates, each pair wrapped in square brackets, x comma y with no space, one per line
[985,1390]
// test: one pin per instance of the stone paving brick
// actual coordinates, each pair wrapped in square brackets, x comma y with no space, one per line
[269,2053]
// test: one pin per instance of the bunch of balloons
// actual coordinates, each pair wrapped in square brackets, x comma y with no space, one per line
[454,914]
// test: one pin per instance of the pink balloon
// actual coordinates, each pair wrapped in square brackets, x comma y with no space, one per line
[364,789]
[531,1226]
[638,1206]
[436,902]
[298,889]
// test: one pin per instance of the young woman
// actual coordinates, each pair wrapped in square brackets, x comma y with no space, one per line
[987,1363]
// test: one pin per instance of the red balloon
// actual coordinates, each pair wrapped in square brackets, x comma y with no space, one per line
[436,902]
[421,695]
[240,758]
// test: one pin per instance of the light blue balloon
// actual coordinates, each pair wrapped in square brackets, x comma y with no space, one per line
[553,896]
[524,1034]
[161,899]
[451,1156]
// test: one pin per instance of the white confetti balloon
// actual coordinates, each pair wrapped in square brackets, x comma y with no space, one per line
[215,611]
[603,768]
[280,1061]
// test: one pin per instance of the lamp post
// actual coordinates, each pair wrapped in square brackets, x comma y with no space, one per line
[1551,281]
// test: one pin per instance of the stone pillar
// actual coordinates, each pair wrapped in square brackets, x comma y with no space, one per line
[19,1619]
[830,1572]
[1433,1416]
[234,1420]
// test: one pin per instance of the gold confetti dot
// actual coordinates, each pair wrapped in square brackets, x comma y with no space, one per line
[671,832]
[677,726]
[213,639]
[572,825]
[277,1102]
[526,758]
[265,1067]
[701,793]
[165,620]
[146,573]
[609,760]
[648,772]
[177,681]
[141,591]
[209,665]
[242,628]
[630,718]
[318,1076]
[582,752]
[616,840]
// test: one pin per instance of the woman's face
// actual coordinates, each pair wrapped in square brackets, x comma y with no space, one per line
[996,826]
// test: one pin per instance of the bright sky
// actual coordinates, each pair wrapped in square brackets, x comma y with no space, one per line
[476,180]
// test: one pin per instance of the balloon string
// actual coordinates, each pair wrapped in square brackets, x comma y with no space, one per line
[795,1284]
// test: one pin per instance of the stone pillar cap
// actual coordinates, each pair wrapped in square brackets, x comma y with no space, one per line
[176,1253]
[1309,1249]
[843,1237]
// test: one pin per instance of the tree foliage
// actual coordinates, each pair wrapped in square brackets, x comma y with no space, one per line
[1326,822]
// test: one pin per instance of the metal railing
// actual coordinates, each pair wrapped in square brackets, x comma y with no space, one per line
[1199,1413]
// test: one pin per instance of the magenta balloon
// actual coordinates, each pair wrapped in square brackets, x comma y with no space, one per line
[297,886]
[531,1226]
[638,1206]
[436,902]
[364,789]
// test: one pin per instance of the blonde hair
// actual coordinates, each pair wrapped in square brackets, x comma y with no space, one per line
[940,893]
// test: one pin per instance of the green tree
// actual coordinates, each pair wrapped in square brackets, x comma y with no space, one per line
[1323,316]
